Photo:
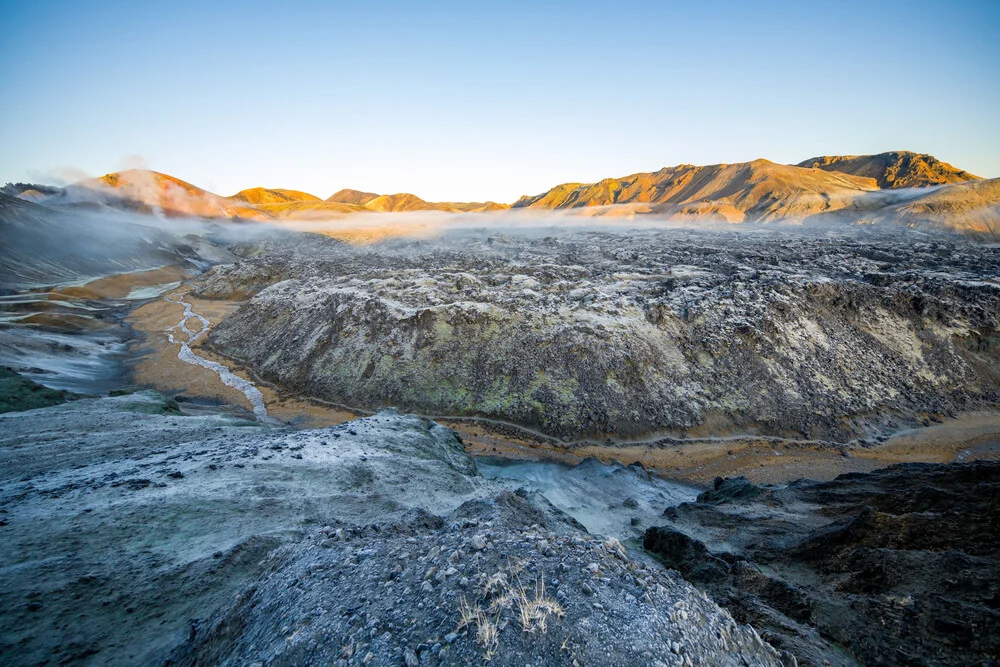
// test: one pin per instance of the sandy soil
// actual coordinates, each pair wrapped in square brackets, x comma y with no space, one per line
[968,437]
[119,286]
[160,368]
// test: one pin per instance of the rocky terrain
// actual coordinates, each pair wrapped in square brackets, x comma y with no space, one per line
[897,567]
[138,529]
[595,334]
[148,528]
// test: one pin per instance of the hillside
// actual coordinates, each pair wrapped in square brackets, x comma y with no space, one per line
[896,169]
[272,196]
[405,201]
[399,203]
[819,190]
[308,210]
[44,245]
[969,208]
[157,193]
[475,206]
[757,191]
[348,196]
[160,194]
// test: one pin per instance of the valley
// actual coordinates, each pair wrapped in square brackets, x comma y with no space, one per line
[224,424]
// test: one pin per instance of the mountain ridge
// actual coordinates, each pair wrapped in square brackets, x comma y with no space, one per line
[757,191]
[272,196]
[895,187]
[893,169]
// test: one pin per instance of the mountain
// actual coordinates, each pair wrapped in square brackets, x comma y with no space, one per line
[475,206]
[348,196]
[405,201]
[151,191]
[840,189]
[969,208]
[757,191]
[308,210]
[272,196]
[896,169]
[400,202]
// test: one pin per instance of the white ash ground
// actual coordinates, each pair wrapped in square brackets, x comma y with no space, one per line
[629,333]
[125,525]
[610,500]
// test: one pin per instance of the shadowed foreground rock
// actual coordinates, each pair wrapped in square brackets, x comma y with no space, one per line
[136,530]
[896,567]
[510,580]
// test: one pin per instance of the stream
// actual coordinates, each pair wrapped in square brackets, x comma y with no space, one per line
[187,355]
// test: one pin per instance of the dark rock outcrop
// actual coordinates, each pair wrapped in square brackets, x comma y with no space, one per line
[896,567]
[725,490]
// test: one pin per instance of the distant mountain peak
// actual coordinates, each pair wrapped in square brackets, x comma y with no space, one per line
[893,169]
[349,196]
[272,196]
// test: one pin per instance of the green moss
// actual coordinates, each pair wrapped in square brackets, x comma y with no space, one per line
[164,406]
[19,393]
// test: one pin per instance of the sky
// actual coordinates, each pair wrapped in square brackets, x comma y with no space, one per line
[475,101]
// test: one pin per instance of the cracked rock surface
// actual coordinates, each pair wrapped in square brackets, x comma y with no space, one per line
[394,593]
[801,333]
[895,567]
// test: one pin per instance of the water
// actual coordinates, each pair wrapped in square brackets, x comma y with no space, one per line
[85,362]
[187,355]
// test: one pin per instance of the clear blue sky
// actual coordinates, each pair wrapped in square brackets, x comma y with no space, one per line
[482,100]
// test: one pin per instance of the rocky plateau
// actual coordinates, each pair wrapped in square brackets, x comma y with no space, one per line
[598,333]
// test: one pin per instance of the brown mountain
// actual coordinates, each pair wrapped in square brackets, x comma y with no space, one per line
[348,196]
[757,191]
[398,203]
[896,169]
[749,191]
[272,196]
[151,191]
[474,206]
[309,210]
[405,201]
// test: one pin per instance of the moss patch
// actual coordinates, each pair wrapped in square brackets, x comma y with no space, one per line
[18,393]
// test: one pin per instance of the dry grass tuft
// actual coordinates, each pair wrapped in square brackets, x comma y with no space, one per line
[488,635]
[505,595]
[487,629]
[534,612]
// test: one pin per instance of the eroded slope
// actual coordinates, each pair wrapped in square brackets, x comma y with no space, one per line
[604,334]
[895,169]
